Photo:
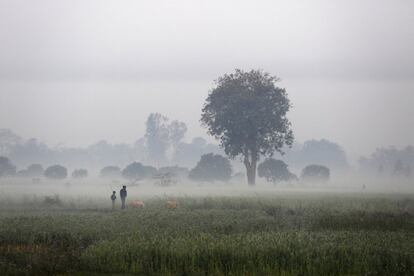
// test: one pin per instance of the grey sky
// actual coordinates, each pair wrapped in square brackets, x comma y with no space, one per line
[79,71]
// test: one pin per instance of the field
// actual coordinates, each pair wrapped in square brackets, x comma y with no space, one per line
[256,233]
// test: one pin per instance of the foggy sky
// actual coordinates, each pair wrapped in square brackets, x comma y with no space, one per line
[76,72]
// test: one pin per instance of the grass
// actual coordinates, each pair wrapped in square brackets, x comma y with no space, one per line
[262,235]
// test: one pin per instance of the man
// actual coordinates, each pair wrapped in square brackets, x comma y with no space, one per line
[113,198]
[123,193]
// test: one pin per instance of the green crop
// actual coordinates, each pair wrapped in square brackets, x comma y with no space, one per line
[284,235]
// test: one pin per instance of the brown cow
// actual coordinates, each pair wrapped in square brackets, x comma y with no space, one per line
[172,204]
[137,204]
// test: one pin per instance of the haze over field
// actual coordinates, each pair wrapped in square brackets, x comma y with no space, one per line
[206,137]
[76,72]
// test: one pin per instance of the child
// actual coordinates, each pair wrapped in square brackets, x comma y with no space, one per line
[113,198]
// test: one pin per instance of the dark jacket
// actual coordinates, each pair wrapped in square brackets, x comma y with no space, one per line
[123,193]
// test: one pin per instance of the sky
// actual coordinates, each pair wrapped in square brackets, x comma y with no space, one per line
[76,72]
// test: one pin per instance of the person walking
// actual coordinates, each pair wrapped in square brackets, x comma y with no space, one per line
[123,193]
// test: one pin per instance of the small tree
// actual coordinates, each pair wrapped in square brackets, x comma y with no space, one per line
[316,173]
[246,111]
[212,167]
[6,167]
[80,174]
[136,172]
[56,172]
[110,172]
[275,171]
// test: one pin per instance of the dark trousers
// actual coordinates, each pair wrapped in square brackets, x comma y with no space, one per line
[123,203]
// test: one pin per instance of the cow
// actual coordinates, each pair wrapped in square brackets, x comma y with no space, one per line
[137,204]
[172,204]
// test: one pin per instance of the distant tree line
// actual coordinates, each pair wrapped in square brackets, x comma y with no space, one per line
[209,169]
[161,145]
[389,162]
[184,155]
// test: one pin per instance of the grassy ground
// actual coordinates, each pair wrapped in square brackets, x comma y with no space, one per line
[325,234]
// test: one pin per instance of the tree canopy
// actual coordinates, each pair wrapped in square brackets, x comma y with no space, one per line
[316,173]
[110,172]
[56,172]
[35,170]
[136,171]
[211,167]
[275,171]
[246,111]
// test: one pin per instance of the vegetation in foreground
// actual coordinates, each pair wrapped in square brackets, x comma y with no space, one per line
[290,235]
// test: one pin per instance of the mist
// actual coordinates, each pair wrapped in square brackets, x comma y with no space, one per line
[78,75]
[194,137]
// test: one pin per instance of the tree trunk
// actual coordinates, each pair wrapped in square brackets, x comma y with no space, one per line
[251,169]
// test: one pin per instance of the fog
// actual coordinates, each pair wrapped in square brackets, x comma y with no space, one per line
[367,114]
[76,73]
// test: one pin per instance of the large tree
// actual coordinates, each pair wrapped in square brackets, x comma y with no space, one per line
[246,111]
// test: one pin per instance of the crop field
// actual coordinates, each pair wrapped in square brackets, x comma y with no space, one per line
[256,234]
